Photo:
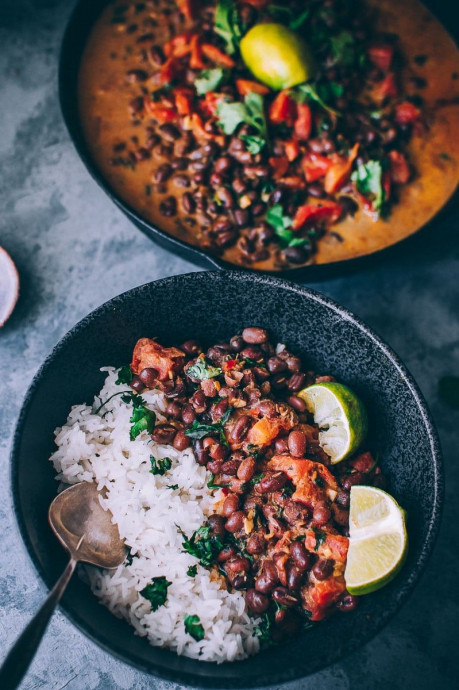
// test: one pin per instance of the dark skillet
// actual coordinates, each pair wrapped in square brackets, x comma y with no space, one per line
[212,306]
[85,14]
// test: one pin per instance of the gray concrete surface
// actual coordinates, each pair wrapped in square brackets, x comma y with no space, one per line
[75,250]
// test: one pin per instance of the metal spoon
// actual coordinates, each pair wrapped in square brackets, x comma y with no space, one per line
[86,530]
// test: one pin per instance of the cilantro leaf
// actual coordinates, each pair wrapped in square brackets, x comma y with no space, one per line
[160,465]
[124,375]
[344,48]
[281,224]
[264,631]
[285,15]
[228,25]
[251,111]
[368,180]
[254,144]
[307,93]
[142,418]
[198,430]
[194,628]
[202,545]
[210,80]
[192,571]
[201,369]
[156,592]
[298,22]
[173,487]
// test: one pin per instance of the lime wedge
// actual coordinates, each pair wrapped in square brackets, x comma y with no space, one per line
[377,540]
[340,415]
[277,56]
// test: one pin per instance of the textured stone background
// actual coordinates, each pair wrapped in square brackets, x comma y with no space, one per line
[75,250]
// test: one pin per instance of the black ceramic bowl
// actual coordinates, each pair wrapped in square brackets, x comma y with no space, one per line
[81,22]
[212,306]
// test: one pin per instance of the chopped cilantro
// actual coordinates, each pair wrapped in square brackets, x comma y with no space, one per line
[320,536]
[281,224]
[254,144]
[124,375]
[199,430]
[251,111]
[192,571]
[160,465]
[202,545]
[210,80]
[308,92]
[142,418]
[194,628]
[227,24]
[344,48]
[201,369]
[368,180]
[172,486]
[156,592]
[264,631]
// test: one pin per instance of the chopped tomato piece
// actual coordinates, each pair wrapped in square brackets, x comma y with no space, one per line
[196,61]
[318,596]
[406,113]
[279,165]
[245,86]
[216,55]
[159,112]
[292,149]
[169,71]
[387,88]
[183,98]
[340,170]
[211,101]
[303,122]
[200,131]
[323,209]
[311,479]
[381,54]
[282,109]
[399,168]
[148,354]
[189,8]
[333,546]
[315,166]
[264,431]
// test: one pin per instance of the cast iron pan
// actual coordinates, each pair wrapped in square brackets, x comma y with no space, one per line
[212,306]
[84,15]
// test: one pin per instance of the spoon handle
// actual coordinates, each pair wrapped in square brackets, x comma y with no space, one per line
[23,651]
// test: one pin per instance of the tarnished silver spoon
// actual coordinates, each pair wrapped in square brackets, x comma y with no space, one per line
[86,530]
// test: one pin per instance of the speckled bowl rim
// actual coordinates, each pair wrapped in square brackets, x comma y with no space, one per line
[403,593]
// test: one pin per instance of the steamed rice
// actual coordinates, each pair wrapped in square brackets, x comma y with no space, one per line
[96,447]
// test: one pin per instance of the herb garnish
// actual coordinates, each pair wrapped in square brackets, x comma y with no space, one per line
[201,369]
[142,418]
[264,630]
[368,180]
[160,465]
[320,536]
[308,92]
[202,545]
[227,24]
[287,16]
[211,483]
[194,628]
[199,430]
[281,224]
[156,592]
[124,375]
[172,486]
[254,144]
[251,111]
[210,80]
[192,571]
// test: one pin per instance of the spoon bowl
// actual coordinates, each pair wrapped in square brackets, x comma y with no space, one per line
[85,528]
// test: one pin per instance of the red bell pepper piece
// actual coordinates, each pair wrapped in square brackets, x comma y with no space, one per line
[216,55]
[159,112]
[200,131]
[320,595]
[211,101]
[315,166]
[183,99]
[303,122]
[292,149]
[282,109]
[406,113]
[196,61]
[179,46]
[279,165]
[381,54]
[245,86]
[169,70]
[399,168]
[323,209]
[387,88]
[340,170]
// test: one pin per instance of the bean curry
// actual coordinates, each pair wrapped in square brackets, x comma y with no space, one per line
[280,532]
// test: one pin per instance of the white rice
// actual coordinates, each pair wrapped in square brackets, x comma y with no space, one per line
[96,447]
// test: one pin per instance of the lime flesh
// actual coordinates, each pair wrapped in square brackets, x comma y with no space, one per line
[340,415]
[276,56]
[377,540]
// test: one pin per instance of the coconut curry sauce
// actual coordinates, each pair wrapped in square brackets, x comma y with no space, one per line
[319,172]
